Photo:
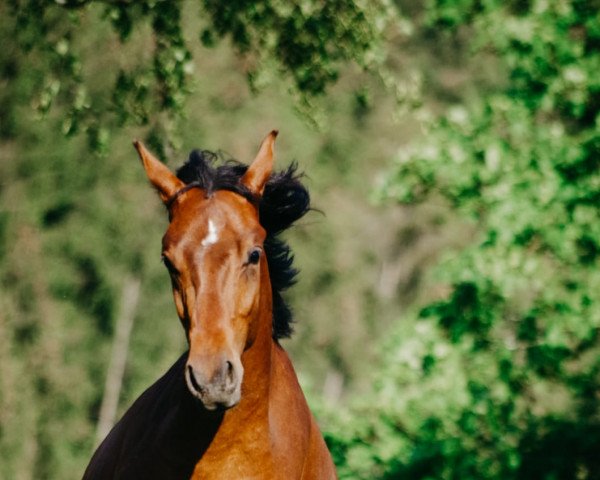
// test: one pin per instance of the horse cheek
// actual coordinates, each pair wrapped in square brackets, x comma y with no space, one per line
[247,302]
[179,307]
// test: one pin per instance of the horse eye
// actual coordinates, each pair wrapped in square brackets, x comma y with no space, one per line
[254,256]
[170,267]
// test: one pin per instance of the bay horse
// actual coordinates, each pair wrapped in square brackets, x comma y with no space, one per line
[231,406]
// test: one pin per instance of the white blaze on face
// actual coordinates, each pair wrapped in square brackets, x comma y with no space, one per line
[212,236]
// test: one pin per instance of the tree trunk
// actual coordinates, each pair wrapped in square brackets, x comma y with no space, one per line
[118,358]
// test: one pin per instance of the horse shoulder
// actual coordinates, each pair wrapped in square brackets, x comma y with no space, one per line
[298,447]
[319,464]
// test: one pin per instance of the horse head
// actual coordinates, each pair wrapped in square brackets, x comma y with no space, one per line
[214,251]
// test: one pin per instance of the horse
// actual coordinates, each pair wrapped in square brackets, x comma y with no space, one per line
[231,406]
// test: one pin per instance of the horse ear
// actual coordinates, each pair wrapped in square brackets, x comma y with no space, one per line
[161,178]
[260,169]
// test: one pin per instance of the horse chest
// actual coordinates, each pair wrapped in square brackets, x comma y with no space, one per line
[240,454]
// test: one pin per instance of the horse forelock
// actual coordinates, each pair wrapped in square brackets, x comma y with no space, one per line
[284,201]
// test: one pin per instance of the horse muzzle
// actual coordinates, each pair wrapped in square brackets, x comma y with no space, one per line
[217,383]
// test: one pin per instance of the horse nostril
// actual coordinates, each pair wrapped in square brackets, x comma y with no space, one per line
[230,374]
[193,381]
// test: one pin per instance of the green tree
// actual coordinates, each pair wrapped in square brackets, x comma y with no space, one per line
[148,62]
[500,377]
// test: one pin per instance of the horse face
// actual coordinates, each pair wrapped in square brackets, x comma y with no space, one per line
[213,250]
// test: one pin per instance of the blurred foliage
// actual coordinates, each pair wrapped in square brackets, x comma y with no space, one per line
[308,41]
[500,377]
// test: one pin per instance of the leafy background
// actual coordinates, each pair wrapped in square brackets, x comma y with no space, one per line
[447,312]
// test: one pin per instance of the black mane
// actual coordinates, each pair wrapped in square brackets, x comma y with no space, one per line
[284,201]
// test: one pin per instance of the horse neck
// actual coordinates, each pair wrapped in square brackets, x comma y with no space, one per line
[258,357]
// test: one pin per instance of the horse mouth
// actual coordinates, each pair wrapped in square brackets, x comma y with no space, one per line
[217,405]
[214,397]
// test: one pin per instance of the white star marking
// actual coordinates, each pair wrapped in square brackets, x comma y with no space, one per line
[212,236]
